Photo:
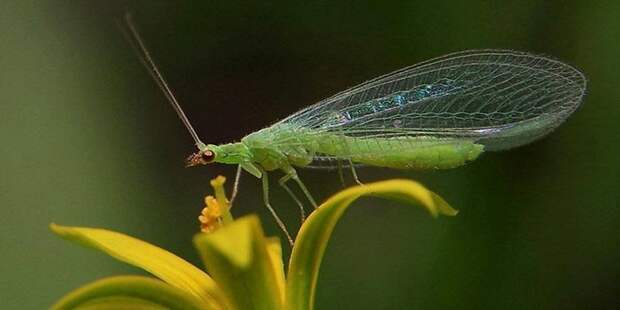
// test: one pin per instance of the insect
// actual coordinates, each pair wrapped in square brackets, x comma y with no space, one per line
[438,114]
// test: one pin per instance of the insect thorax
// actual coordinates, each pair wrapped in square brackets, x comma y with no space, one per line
[231,153]
[278,147]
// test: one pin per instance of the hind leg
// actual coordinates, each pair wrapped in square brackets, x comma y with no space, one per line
[354,173]
[291,173]
[282,183]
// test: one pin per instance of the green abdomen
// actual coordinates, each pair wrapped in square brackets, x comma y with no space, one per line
[398,152]
[276,147]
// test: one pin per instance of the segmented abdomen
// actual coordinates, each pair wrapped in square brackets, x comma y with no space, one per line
[420,152]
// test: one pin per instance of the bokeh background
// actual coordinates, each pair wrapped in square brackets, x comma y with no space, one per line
[87,139]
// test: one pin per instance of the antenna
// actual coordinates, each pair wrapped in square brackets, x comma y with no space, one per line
[145,58]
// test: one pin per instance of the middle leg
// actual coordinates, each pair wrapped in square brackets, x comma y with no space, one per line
[265,180]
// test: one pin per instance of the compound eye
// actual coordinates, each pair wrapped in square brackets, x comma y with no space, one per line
[207,156]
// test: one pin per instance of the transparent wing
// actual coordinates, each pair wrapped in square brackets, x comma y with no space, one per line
[498,98]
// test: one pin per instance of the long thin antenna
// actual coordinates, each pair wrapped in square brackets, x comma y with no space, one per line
[145,57]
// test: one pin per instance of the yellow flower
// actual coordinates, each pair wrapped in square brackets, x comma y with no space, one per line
[211,216]
[217,209]
[246,270]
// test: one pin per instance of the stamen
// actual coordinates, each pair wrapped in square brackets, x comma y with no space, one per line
[211,216]
[216,212]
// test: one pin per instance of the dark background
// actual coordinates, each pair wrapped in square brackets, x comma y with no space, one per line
[87,139]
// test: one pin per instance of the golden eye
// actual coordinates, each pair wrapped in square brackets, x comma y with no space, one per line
[207,156]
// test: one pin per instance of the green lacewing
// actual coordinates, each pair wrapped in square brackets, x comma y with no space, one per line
[438,114]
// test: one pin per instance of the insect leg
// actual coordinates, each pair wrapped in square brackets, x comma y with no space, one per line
[357,180]
[235,186]
[282,183]
[265,180]
[292,173]
[340,173]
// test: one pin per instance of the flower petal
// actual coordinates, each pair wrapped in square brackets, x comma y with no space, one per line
[159,262]
[315,232]
[238,257]
[129,292]
[274,248]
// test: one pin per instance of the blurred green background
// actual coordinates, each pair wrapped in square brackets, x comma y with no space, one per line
[88,139]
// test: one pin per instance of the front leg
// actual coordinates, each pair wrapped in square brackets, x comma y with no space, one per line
[235,190]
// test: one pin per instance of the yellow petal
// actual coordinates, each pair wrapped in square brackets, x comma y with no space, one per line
[159,262]
[234,242]
[274,248]
[239,258]
[315,232]
[129,292]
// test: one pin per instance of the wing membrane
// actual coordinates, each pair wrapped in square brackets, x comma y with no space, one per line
[498,98]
